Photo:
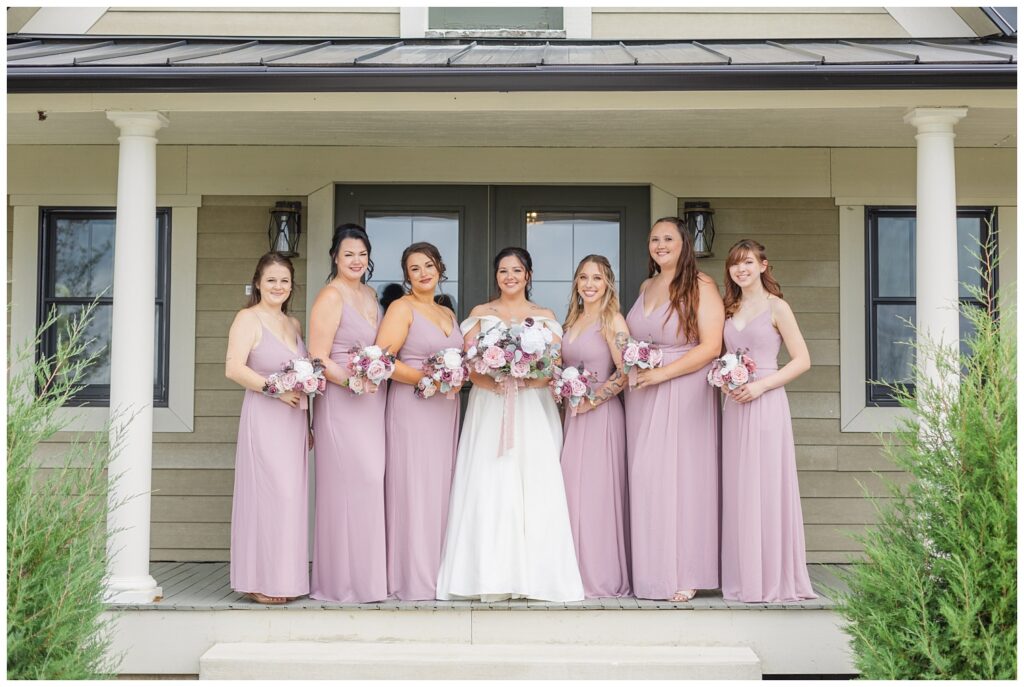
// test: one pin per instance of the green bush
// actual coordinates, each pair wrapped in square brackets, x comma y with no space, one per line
[937,594]
[56,524]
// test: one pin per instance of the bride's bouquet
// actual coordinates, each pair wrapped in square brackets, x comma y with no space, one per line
[572,385]
[640,355]
[368,368]
[732,370]
[523,351]
[302,375]
[444,371]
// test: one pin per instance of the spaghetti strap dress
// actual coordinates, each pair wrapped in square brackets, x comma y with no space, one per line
[270,508]
[763,555]
[349,554]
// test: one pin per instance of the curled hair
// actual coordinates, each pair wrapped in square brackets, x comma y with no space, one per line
[350,230]
[683,290]
[523,256]
[429,250]
[733,292]
[268,259]
[610,302]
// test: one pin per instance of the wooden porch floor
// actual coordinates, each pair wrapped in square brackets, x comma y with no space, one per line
[205,587]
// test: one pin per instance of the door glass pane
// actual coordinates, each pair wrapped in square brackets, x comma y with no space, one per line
[896,256]
[895,357]
[391,232]
[557,241]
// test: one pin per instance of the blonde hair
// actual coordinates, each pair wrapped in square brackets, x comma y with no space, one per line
[610,303]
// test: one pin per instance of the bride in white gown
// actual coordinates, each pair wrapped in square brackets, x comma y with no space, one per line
[508,533]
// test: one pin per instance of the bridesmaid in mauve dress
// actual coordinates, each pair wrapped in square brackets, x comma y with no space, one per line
[422,433]
[763,556]
[594,452]
[672,424]
[269,511]
[349,563]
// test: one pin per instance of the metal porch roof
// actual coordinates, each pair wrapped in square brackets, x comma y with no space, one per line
[79,63]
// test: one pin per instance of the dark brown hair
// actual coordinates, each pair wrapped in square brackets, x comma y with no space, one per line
[523,256]
[266,261]
[423,248]
[350,230]
[683,290]
[733,292]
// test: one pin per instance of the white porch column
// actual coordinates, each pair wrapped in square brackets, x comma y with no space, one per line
[131,359]
[936,240]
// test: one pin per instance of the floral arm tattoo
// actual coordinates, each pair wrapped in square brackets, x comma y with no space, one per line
[617,382]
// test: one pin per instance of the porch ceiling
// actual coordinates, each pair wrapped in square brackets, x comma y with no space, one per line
[639,128]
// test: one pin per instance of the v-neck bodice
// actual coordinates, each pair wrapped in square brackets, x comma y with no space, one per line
[759,337]
[271,354]
[589,349]
[353,330]
[425,339]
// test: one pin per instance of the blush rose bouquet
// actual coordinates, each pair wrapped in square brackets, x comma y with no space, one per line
[732,370]
[444,371]
[640,355]
[303,375]
[368,367]
[522,351]
[572,384]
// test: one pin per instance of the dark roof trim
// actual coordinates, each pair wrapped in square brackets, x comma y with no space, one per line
[1002,23]
[547,78]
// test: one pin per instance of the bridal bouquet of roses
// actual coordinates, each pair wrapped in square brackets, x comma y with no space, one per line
[640,355]
[444,371]
[368,368]
[523,351]
[301,374]
[732,370]
[572,385]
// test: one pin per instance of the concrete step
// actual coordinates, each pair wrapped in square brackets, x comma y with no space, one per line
[424,660]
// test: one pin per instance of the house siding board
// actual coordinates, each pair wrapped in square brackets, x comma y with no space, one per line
[351,22]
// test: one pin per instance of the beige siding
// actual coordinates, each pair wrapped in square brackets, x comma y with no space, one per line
[348,22]
[801,236]
[753,23]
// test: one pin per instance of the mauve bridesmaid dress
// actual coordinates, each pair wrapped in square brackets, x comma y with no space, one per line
[763,557]
[270,508]
[422,438]
[349,560]
[594,470]
[672,448]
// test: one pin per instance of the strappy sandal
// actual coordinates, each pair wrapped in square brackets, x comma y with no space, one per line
[684,596]
[259,598]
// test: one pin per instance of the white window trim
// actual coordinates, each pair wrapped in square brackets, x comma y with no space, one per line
[855,415]
[179,415]
[413,22]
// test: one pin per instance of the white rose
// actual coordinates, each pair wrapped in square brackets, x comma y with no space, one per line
[532,341]
[730,361]
[303,369]
[490,337]
[373,352]
[452,359]
[471,353]
[570,373]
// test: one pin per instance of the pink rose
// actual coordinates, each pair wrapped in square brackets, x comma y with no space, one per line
[715,376]
[631,354]
[376,371]
[356,385]
[521,369]
[739,375]
[644,353]
[656,356]
[578,387]
[309,385]
[749,363]
[481,367]
[289,380]
[457,377]
[494,357]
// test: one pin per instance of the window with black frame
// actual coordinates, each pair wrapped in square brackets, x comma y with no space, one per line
[76,267]
[891,296]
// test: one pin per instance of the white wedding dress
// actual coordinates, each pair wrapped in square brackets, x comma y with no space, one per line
[508,532]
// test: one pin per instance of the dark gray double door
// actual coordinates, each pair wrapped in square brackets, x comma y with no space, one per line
[559,225]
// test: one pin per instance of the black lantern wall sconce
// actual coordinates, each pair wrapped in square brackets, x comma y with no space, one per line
[285,227]
[700,225]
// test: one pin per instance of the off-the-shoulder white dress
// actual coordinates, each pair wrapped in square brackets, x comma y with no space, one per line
[508,532]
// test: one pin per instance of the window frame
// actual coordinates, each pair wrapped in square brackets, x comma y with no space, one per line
[877,394]
[98,395]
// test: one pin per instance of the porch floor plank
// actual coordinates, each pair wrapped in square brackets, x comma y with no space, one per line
[206,586]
